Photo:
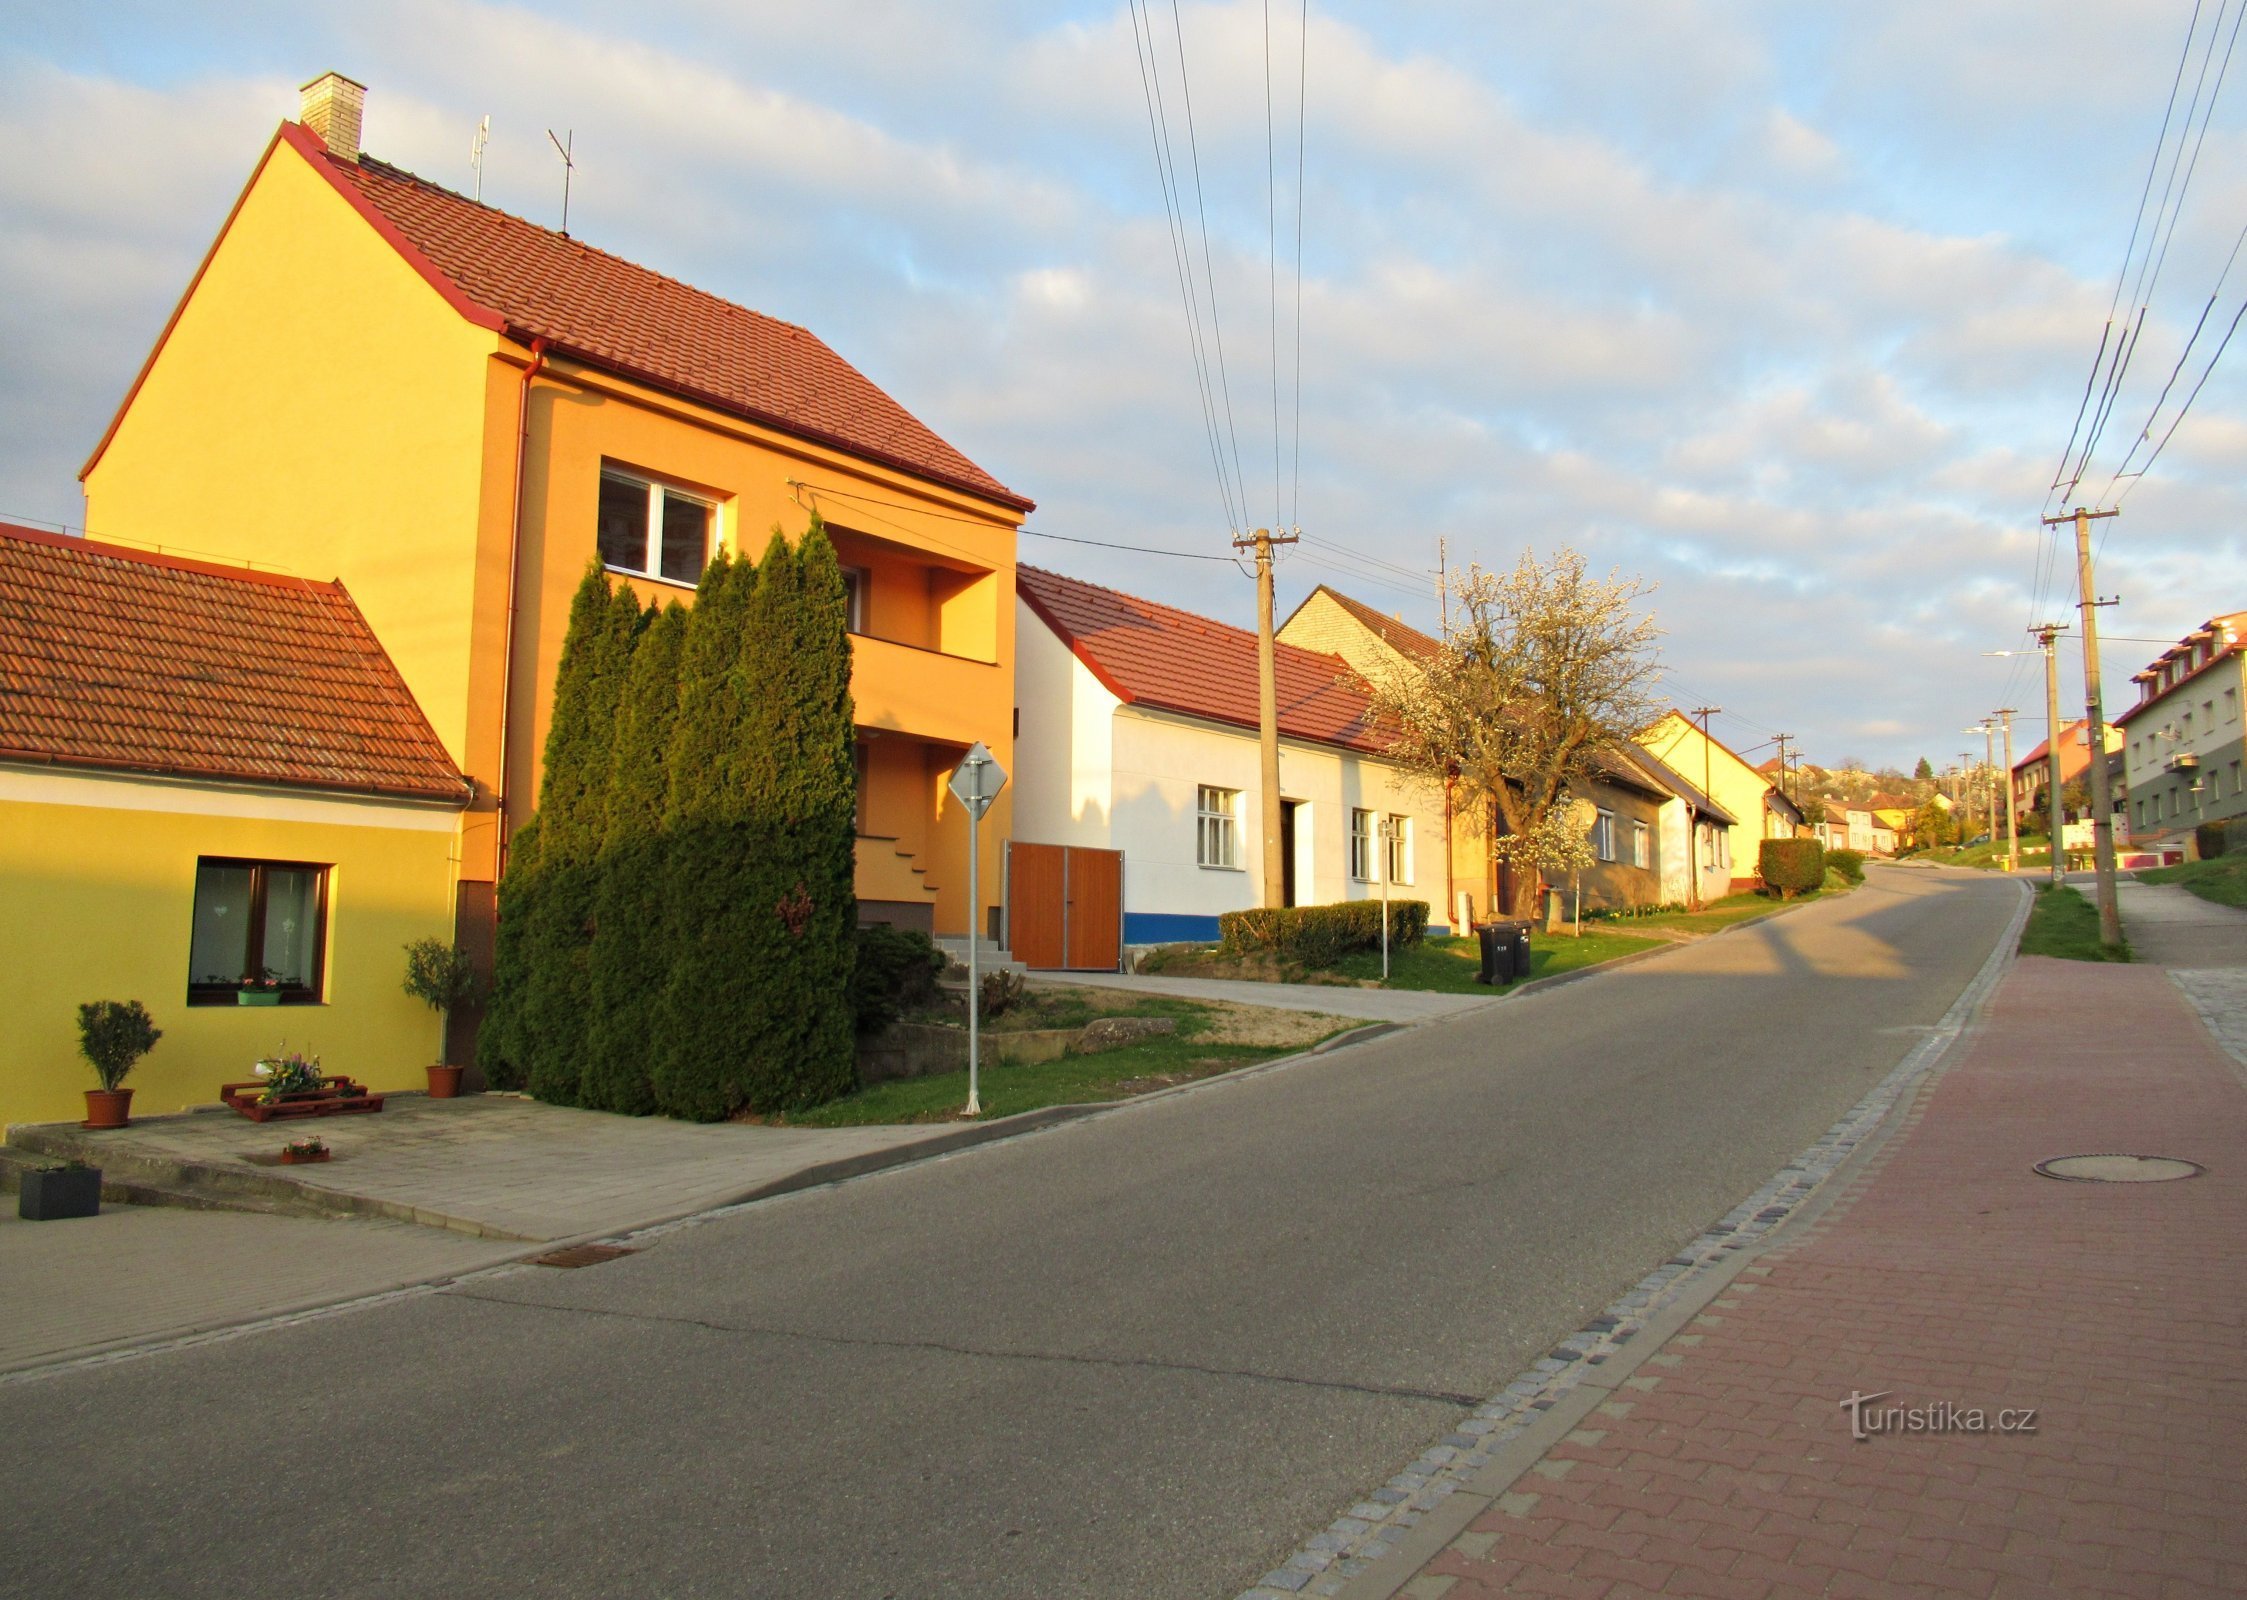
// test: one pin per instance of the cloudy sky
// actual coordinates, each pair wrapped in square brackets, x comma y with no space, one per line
[1785,309]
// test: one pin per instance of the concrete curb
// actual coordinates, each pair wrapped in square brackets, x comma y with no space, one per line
[1437,1497]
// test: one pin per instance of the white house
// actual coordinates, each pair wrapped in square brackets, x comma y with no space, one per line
[1138,735]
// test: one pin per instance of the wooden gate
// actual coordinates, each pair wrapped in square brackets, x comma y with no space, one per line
[1064,906]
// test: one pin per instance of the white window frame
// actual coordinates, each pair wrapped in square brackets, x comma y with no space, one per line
[856,581]
[1603,833]
[1217,827]
[651,553]
[1642,845]
[1397,843]
[1363,826]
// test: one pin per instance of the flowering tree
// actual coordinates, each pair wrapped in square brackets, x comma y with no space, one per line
[1545,674]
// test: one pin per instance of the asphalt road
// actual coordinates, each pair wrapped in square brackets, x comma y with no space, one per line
[1142,1355]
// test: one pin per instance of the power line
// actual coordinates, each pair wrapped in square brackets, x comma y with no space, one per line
[1302,101]
[1209,274]
[1272,259]
[1135,549]
[1158,130]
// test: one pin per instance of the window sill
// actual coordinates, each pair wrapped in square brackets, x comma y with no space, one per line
[229,1002]
[1212,866]
[687,584]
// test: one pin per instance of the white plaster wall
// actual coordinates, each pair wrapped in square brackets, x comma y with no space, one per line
[1162,759]
[1064,753]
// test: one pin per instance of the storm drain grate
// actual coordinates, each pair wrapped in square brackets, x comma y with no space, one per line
[2110,1168]
[582,1255]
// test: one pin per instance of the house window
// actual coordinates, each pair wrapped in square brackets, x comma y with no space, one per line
[1361,845]
[854,599]
[258,925]
[1603,834]
[1215,814]
[652,531]
[1642,846]
[1398,836]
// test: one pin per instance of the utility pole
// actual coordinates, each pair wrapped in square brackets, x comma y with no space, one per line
[1966,794]
[1707,775]
[1443,584]
[2095,724]
[1989,779]
[1267,711]
[2047,635]
[1782,740]
[2005,715]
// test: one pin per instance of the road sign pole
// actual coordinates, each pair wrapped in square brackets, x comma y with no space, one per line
[975,783]
[974,963]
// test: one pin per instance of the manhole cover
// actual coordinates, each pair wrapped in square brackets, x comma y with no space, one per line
[581,1255]
[2119,1168]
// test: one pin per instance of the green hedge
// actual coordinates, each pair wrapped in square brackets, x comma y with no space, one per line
[2212,839]
[1792,866]
[1321,935]
[1849,863]
[896,971]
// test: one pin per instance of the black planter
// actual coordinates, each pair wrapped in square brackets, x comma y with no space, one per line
[53,1193]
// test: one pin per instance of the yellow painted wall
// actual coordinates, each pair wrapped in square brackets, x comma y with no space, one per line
[1676,741]
[318,408]
[100,902]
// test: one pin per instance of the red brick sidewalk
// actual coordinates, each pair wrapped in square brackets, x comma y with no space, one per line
[1948,1272]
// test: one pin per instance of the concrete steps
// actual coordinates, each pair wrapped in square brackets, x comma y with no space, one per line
[990,957]
[130,1177]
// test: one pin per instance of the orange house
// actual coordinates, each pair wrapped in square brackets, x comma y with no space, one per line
[373,379]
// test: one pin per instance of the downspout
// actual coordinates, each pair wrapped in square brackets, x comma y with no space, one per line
[514,574]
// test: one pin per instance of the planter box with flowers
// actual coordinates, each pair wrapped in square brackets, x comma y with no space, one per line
[293,1085]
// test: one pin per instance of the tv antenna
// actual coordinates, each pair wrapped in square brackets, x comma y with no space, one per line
[476,154]
[569,166]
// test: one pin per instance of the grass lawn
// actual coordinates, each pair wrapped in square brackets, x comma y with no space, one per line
[1449,965]
[1716,914]
[2222,879]
[1211,1039]
[2063,923]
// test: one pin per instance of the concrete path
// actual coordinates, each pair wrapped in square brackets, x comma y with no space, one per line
[1338,1000]
[138,1273]
[513,1168]
[2170,926]
[1949,1278]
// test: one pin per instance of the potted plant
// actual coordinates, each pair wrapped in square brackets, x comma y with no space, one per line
[299,1152]
[50,1194]
[262,990]
[292,1074]
[440,976]
[113,1034]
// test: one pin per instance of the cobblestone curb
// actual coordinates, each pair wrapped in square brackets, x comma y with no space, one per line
[2219,994]
[1373,1528]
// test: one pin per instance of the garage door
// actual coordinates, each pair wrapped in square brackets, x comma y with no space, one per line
[1064,907]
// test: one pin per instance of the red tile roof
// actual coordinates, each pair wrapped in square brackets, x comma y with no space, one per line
[532,282]
[117,658]
[1157,655]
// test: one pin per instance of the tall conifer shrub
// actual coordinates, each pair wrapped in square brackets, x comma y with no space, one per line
[573,816]
[499,1040]
[698,1036]
[631,956]
[801,794]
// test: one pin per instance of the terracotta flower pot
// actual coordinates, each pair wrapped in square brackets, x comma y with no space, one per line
[444,1082]
[108,1108]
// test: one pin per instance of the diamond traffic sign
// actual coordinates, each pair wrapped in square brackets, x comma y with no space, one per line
[977,780]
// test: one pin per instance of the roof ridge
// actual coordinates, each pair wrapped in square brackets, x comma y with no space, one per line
[87,544]
[1195,617]
[406,174]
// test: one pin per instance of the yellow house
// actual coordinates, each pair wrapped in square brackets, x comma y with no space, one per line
[214,787]
[453,411]
[1728,858]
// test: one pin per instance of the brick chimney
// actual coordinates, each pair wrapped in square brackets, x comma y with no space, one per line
[332,107]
